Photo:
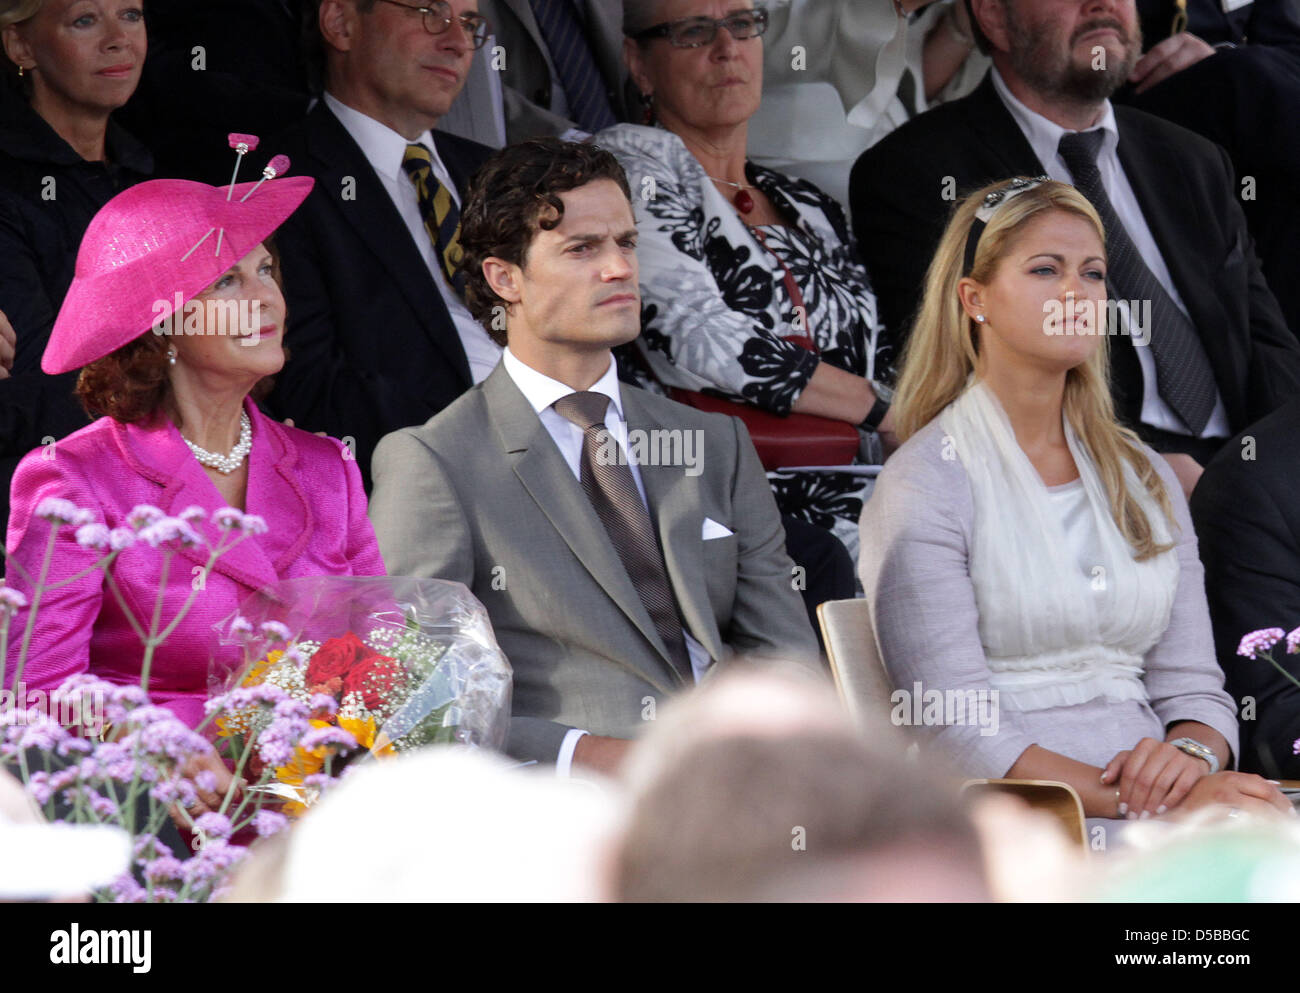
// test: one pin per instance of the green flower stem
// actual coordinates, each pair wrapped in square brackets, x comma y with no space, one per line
[234,778]
[1268,657]
[35,605]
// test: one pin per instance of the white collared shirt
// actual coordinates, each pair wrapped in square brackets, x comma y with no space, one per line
[1044,137]
[541,392]
[385,149]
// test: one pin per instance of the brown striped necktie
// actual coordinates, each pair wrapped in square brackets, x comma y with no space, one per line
[612,491]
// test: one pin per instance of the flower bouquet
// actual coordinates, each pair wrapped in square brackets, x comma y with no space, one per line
[380,665]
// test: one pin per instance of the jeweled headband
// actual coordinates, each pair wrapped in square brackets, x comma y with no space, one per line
[988,208]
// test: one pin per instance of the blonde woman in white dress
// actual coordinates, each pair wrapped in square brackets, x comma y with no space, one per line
[1023,545]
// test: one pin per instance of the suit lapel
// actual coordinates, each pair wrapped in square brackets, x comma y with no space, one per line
[678,513]
[997,131]
[540,467]
[523,12]
[380,227]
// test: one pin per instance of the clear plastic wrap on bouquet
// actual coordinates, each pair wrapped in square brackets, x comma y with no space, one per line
[395,662]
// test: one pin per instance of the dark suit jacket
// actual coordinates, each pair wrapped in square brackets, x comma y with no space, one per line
[1264,22]
[48,195]
[1247,515]
[1245,98]
[372,346]
[526,77]
[481,495]
[1185,187]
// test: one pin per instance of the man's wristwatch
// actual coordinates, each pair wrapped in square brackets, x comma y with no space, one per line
[1193,747]
[884,397]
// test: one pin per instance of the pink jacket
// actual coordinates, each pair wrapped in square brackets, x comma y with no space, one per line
[305,487]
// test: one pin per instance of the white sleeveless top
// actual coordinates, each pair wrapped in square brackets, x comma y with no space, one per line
[1056,631]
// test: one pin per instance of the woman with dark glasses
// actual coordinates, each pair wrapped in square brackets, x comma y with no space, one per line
[751,285]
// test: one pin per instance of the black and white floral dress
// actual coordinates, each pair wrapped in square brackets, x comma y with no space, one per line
[716,314]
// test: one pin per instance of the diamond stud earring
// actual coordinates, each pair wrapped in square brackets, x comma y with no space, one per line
[171,355]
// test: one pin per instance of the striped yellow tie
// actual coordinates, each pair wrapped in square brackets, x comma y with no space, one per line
[441,215]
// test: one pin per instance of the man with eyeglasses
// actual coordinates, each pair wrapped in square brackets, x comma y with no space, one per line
[380,336]
[563,72]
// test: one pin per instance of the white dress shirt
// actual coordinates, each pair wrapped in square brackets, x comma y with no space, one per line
[541,392]
[1044,137]
[385,149]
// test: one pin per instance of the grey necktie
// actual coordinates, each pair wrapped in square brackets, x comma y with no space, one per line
[1184,376]
[612,491]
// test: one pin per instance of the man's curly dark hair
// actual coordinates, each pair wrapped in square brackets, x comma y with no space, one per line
[514,195]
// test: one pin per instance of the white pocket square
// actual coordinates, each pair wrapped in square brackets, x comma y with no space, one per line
[712,529]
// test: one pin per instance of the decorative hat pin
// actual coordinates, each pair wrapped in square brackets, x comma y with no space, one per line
[243,144]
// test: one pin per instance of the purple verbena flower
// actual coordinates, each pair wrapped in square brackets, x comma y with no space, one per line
[193,515]
[129,696]
[11,600]
[56,510]
[323,703]
[206,780]
[95,537]
[228,517]
[120,539]
[276,633]
[125,889]
[241,627]
[142,515]
[74,745]
[1293,642]
[330,737]
[38,787]
[1259,641]
[291,709]
[170,531]
[213,825]
[101,805]
[253,524]
[268,822]
[165,867]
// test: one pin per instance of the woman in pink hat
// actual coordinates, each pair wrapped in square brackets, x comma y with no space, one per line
[175,317]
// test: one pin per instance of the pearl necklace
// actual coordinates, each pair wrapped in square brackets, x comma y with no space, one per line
[226,464]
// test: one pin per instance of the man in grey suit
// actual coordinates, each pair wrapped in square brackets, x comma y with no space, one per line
[563,72]
[623,544]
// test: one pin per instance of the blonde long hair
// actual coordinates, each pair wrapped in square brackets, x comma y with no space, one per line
[944,343]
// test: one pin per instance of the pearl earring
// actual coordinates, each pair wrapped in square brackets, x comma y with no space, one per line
[20,72]
[171,356]
[981,319]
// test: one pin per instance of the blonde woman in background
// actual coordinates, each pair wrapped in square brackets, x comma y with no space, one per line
[1021,542]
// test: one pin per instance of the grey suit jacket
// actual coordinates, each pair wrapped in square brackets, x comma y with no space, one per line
[481,494]
[526,78]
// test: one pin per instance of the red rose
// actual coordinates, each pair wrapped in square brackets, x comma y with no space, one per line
[377,679]
[335,658]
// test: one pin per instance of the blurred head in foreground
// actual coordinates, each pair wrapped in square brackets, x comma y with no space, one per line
[759,788]
[441,824]
[55,863]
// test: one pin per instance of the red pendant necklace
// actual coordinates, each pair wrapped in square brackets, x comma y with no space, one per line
[742,199]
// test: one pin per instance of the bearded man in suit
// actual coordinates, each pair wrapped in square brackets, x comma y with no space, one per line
[624,545]
[1213,352]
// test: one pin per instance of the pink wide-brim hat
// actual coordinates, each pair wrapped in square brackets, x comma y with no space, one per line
[150,243]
